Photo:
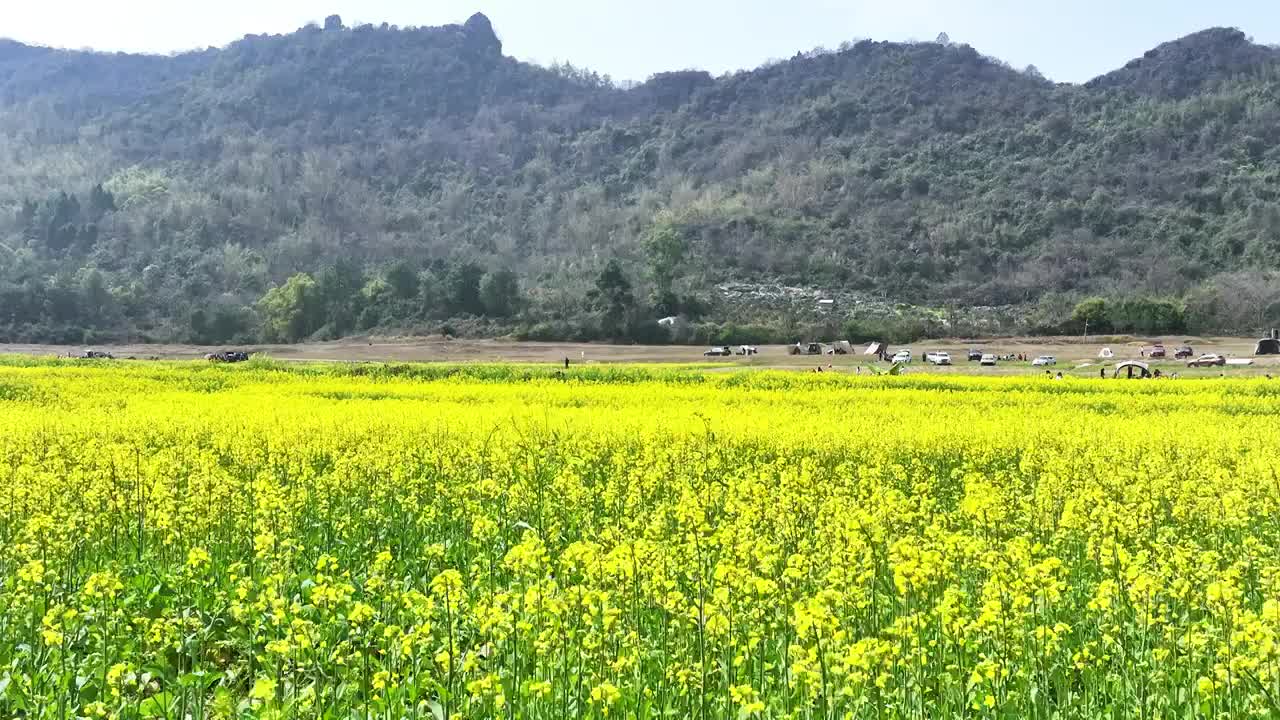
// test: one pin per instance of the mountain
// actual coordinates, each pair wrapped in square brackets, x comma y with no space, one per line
[1193,64]
[336,180]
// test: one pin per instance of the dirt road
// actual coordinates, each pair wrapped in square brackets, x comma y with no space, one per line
[1070,352]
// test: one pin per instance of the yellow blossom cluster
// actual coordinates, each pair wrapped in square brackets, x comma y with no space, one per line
[182,540]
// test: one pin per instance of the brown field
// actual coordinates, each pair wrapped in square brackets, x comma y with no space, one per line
[1075,355]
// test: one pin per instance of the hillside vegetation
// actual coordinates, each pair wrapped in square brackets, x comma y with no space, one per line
[339,180]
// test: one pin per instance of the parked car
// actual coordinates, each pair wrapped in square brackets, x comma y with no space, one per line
[1044,360]
[747,350]
[1208,360]
[941,358]
[903,357]
[812,348]
[1156,351]
[1183,352]
[988,359]
[975,354]
[718,352]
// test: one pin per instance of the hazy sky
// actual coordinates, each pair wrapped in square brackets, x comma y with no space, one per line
[1069,40]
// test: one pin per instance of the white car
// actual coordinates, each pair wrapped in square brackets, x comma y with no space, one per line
[1045,360]
[940,358]
[988,359]
[903,357]
[1209,360]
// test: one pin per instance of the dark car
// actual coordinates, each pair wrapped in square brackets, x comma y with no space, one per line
[1183,352]
[975,355]
[1156,351]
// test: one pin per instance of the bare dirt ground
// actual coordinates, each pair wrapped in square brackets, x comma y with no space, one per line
[1072,353]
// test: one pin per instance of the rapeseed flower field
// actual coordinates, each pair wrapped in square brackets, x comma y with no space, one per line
[182,541]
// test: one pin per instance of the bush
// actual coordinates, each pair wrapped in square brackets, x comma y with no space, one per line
[648,332]
[890,329]
[758,334]
[1148,316]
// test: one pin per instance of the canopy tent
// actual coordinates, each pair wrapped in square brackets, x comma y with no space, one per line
[1133,368]
[1106,353]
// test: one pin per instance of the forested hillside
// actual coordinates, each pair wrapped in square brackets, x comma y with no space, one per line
[340,180]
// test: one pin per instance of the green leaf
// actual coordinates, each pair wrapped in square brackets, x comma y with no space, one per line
[156,706]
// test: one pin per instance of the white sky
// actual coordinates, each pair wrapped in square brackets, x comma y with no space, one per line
[1068,40]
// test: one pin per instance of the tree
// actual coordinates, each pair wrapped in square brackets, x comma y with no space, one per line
[198,323]
[1091,314]
[291,312]
[376,293]
[101,201]
[463,284]
[223,324]
[228,322]
[430,299]
[97,299]
[1238,302]
[403,280]
[665,248]
[339,288]
[56,221]
[500,293]
[1147,315]
[612,296]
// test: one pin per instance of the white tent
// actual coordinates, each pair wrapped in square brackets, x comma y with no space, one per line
[1106,353]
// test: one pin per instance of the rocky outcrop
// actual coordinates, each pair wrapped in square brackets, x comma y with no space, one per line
[1191,64]
[480,36]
